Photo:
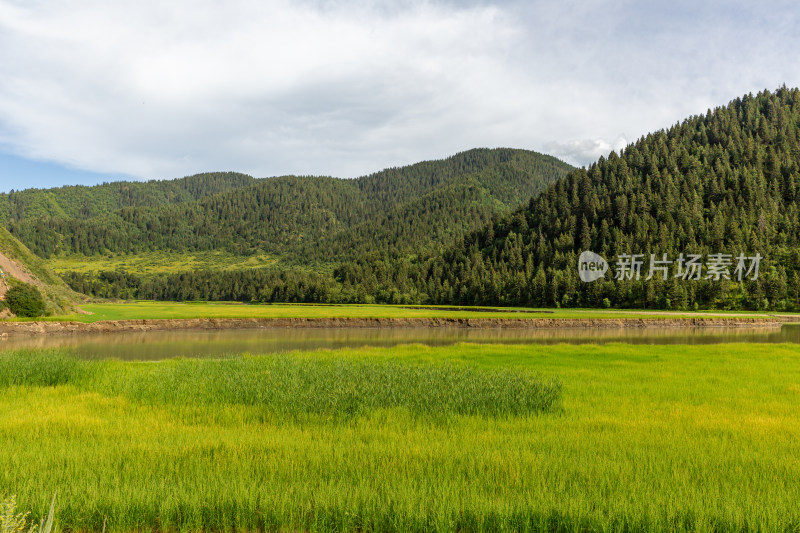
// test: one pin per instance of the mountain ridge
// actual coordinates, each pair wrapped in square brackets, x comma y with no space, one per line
[308,218]
[724,181]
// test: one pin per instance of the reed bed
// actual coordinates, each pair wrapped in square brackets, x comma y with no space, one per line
[292,385]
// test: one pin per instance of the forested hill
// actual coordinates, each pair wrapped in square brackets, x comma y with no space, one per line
[304,219]
[82,202]
[724,182]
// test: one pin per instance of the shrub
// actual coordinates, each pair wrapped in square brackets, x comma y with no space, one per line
[12,521]
[25,300]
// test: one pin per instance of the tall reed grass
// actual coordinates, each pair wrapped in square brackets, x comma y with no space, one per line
[293,385]
[39,368]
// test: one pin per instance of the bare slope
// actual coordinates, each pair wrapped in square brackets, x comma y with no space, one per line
[19,263]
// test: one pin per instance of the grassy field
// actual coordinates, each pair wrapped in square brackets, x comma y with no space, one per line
[470,438]
[166,310]
[148,263]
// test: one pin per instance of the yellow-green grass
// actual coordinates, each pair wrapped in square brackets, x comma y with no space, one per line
[148,263]
[167,310]
[649,438]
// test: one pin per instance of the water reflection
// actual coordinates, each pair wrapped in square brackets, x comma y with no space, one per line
[155,345]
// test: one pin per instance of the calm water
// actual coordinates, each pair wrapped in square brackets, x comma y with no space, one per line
[165,344]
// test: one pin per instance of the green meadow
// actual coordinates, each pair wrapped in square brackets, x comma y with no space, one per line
[138,310]
[161,262]
[412,438]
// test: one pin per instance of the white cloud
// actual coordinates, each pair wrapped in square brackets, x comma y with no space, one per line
[165,89]
[585,151]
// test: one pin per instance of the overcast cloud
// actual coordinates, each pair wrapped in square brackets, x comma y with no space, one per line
[154,89]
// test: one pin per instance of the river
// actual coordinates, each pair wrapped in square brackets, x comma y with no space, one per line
[155,345]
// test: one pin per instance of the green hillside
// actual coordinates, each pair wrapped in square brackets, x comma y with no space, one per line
[725,182]
[301,219]
[83,202]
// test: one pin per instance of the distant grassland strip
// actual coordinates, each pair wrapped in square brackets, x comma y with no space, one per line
[143,310]
[162,262]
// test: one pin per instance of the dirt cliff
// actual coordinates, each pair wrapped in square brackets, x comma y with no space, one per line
[9,267]
[18,262]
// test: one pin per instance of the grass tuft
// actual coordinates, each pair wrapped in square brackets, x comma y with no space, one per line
[37,368]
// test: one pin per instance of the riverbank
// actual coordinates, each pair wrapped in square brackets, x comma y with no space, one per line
[110,326]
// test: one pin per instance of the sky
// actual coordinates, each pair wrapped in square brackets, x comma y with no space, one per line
[94,91]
